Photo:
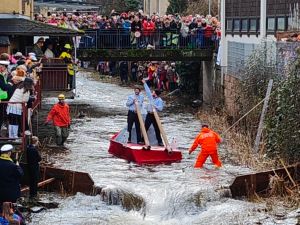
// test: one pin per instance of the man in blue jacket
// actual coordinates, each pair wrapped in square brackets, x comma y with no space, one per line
[10,176]
[132,117]
[155,102]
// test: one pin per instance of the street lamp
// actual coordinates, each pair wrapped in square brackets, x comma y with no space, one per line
[209,7]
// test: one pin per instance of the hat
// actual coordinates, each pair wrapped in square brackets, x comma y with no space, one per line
[7,148]
[31,54]
[33,58]
[18,54]
[4,62]
[67,46]
[61,97]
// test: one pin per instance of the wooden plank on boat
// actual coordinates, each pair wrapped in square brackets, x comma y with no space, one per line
[142,125]
[162,131]
[247,185]
[40,184]
[71,181]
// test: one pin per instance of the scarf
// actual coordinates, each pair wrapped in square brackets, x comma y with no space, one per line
[6,157]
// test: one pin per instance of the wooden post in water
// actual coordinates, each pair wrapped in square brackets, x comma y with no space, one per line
[142,125]
[262,116]
[162,131]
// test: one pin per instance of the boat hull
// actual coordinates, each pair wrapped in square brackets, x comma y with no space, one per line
[136,153]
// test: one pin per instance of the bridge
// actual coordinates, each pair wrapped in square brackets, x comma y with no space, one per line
[120,45]
[123,45]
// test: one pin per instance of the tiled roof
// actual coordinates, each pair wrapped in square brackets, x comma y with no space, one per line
[26,27]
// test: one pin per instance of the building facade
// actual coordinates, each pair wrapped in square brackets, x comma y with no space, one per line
[245,25]
[21,7]
[155,6]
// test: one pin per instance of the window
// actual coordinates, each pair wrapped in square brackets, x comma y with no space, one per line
[281,23]
[229,25]
[236,25]
[253,25]
[270,24]
[244,25]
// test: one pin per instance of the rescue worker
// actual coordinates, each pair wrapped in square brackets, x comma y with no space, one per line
[208,140]
[154,102]
[67,57]
[33,159]
[132,115]
[10,176]
[60,115]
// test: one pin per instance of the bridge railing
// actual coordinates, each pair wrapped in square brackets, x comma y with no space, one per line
[125,39]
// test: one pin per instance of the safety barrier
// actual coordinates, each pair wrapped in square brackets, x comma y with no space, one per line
[54,75]
[125,39]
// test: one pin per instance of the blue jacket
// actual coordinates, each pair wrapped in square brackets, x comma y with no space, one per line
[130,101]
[10,177]
[153,102]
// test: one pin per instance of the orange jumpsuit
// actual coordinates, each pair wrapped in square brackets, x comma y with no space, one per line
[208,140]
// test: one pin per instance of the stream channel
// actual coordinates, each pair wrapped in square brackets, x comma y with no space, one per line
[171,194]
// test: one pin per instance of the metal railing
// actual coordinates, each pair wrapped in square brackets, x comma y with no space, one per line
[125,39]
[21,123]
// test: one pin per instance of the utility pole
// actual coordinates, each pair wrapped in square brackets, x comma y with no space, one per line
[209,7]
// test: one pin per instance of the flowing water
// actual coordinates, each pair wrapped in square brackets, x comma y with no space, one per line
[172,194]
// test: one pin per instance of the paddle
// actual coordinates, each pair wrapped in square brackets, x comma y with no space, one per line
[162,131]
[142,125]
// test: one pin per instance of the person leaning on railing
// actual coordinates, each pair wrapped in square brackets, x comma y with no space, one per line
[15,107]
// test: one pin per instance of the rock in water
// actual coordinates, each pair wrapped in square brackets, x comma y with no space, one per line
[117,196]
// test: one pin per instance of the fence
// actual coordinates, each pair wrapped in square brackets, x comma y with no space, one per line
[13,135]
[54,75]
[124,39]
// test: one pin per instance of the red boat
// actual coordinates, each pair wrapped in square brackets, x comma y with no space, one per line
[140,155]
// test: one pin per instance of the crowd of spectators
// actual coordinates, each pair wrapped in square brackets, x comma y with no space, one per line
[159,75]
[18,77]
[140,29]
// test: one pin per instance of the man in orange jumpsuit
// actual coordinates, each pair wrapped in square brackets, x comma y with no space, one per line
[60,115]
[208,140]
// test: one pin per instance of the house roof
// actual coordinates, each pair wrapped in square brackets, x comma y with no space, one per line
[26,27]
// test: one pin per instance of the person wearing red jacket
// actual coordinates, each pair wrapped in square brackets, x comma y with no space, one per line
[148,31]
[208,140]
[60,115]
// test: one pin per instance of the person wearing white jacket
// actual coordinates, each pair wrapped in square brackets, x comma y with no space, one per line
[15,109]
